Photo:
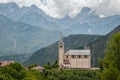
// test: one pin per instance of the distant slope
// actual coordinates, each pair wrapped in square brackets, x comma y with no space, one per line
[37,19]
[98,46]
[17,37]
[86,19]
[31,15]
[50,53]
[15,57]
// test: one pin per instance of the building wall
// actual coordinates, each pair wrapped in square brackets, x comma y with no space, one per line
[61,55]
[87,62]
[73,63]
[79,62]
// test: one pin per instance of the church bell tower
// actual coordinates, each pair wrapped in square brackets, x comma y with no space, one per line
[61,51]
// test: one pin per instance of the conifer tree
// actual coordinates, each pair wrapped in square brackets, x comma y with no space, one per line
[111,61]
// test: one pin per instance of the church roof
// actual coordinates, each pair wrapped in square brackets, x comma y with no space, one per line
[61,39]
[78,52]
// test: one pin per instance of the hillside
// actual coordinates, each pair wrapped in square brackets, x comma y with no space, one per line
[50,53]
[23,38]
[95,42]
[98,46]
[15,57]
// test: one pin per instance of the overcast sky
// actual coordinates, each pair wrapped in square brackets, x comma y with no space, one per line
[61,8]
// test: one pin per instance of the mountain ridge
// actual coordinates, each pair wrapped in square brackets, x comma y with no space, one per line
[23,38]
[96,44]
[85,16]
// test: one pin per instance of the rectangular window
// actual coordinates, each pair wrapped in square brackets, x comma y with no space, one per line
[67,57]
[73,56]
[86,56]
[79,56]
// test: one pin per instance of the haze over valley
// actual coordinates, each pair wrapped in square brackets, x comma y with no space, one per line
[28,29]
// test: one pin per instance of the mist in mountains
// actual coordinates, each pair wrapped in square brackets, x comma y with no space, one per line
[86,19]
[28,29]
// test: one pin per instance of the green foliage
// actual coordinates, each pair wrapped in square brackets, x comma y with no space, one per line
[51,66]
[111,61]
[33,65]
[47,66]
[14,71]
[71,75]
[98,47]
[55,65]
[17,72]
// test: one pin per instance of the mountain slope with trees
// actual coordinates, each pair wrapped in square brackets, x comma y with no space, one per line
[111,62]
[50,53]
[17,37]
[96,43]
[98,46]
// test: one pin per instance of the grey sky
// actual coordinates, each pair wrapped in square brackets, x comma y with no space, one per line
[61,8]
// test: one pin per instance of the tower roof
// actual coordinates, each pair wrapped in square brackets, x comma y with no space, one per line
[61,39]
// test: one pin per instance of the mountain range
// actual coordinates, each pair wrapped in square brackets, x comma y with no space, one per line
[27,29]
[17,37]
[86,22]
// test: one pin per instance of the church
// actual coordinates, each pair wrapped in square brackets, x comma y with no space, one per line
[73,59]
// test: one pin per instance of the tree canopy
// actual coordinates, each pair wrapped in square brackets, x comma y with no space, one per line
[17,72]
[111,61]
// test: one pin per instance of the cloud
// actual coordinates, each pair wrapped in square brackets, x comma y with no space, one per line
[107,8]
[62,8]
[90,30]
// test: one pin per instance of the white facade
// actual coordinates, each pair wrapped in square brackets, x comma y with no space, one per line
[77,59]
[74,58]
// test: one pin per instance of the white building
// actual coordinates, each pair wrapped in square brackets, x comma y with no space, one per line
[74,58]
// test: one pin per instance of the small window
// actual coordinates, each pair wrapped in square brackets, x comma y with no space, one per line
[67,57]
[73,56]
[86,56]
[61,46]
[79,56]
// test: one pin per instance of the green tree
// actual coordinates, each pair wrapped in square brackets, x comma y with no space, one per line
[33,65]
[111,61]
[47,66]
[13,71]
[55,65]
